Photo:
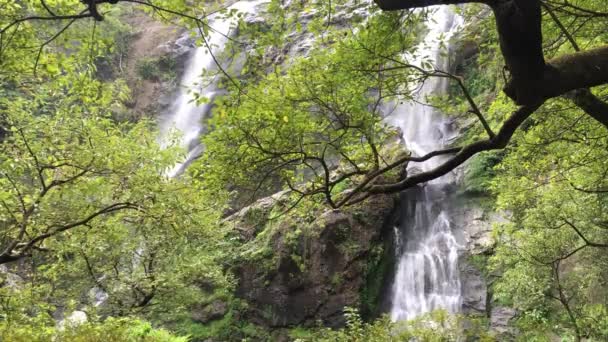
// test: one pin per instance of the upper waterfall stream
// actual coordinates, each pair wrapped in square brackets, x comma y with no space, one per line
[427,275]
[186,116]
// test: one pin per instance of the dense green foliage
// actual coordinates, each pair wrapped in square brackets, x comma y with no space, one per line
[87,209]
[111,330]
[438,326]
[551,256]
[553,252]
[296,124]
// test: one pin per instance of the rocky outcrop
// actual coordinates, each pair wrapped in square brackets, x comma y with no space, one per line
[298,271]
[473,230]
[474,289]
[301,40]
[476,225]
[500,317]
[209,312]
[151,41]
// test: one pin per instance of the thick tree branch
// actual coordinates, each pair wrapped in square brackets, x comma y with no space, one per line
[592,105]
[519,26]
[92,6]
[569,72]
[580,234]
[391,5]
[583,98]
[498,142]
[518,23]
[370,178]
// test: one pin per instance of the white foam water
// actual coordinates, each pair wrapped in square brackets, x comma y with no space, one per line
[427,276]
[185,115]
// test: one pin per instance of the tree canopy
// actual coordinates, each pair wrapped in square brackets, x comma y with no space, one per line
[85,202]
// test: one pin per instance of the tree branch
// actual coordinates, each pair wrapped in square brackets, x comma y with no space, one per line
[57,17]
[583,98]
[392,5]
[23,249]
[580,234]
[374,175]
[569,72]
[500,141]
[591,104]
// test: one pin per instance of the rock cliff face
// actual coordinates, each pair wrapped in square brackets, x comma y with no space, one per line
[150,42]
[313,269]
[475,223]
[150,57]
[476,241]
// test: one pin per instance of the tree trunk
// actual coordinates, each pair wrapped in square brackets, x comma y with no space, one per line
[519,27]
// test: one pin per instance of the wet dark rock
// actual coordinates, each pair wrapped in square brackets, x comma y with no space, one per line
[474,289]
[209,312]
[312,275]
[474,225]
[500,318]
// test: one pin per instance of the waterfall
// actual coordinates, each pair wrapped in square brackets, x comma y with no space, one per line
[427,275]
[186,116]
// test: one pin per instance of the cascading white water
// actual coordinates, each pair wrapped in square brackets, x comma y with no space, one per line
[427,276]
[185,115]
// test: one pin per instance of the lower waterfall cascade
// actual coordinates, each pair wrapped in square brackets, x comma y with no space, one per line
[427,275]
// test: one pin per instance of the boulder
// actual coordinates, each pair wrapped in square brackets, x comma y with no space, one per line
[313,269]
[209,312]
[476,227]
[500,317]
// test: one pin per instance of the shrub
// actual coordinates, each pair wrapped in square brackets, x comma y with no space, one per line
[110,330]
